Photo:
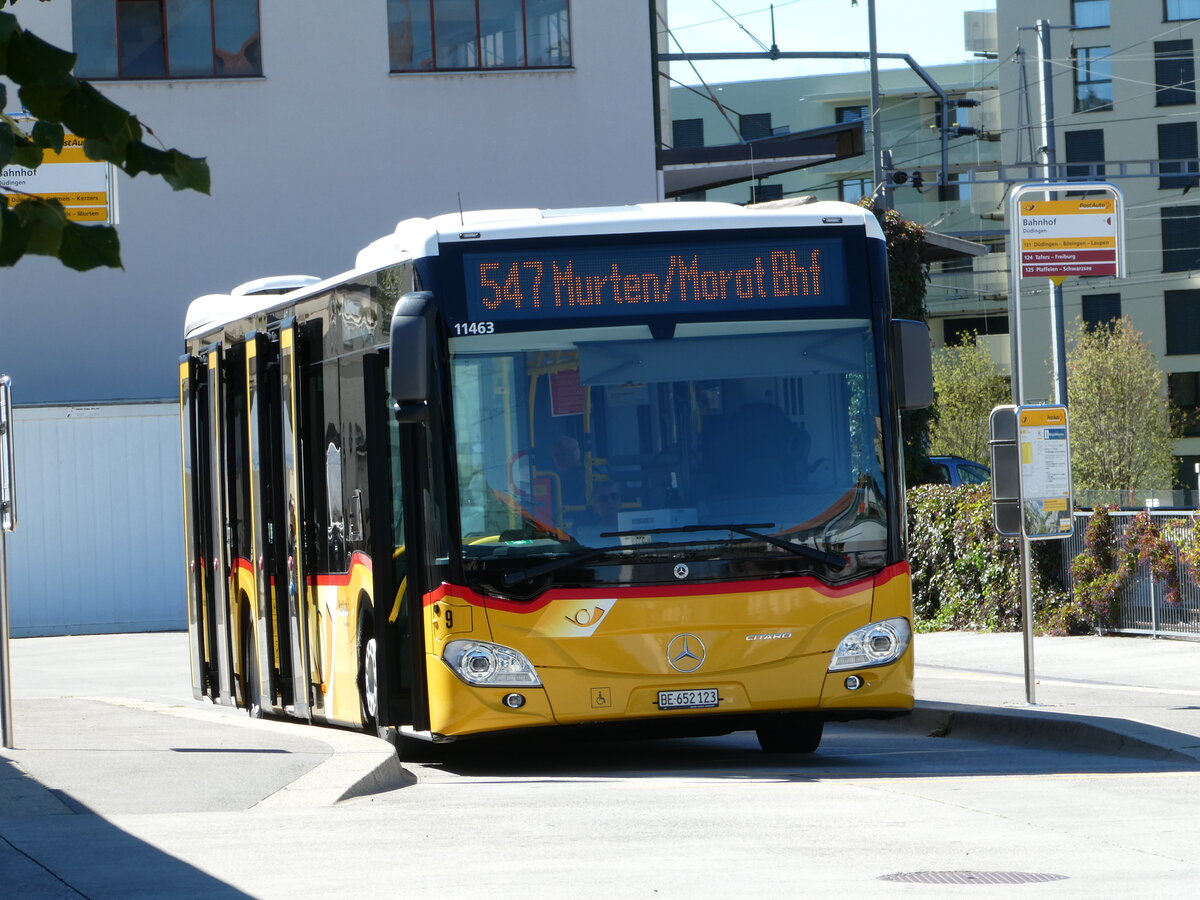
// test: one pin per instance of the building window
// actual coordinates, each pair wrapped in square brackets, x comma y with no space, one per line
[754,126]
[1175,10]
[1100,310]
[1089,13]
[1093,79]
[438,35]
[1174,73]
[964,331]
[1180,238]
[1183,321]
[851,190]
[1184,390]
[1084,147]
[687,133]
[761,193]
[851,114]
[116,39]
[1177,154]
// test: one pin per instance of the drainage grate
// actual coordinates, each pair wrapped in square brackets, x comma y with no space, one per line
[971,877]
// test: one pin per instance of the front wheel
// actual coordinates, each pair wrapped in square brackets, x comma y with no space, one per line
[793,734]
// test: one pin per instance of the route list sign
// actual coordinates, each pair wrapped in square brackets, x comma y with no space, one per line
[1076,236]
[1045,453]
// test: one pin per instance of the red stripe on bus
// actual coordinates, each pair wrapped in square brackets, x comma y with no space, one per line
[342,579]
[807,582]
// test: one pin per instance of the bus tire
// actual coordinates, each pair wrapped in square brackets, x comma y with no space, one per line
[368,678]
[791,734]
[250,692]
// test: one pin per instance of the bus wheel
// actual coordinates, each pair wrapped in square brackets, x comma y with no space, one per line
[368,676]
[250,693]
[792,734]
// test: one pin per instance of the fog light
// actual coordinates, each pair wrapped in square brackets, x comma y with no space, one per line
[853,683]
[514,701]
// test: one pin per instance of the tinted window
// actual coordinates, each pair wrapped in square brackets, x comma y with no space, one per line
[1182,9]
[166,38]
[1093,79]
[1174,73]
[1180,240]
[427,35]
[969,473]
[1089,13]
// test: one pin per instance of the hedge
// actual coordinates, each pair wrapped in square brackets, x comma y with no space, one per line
[967,577]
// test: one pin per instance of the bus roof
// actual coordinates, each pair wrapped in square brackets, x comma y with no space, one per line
[419,237]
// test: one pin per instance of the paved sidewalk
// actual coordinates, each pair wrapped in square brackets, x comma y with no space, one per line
[108,723]
[1117,695]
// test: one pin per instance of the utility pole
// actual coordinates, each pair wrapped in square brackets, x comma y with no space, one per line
[880,197]
[1049,170]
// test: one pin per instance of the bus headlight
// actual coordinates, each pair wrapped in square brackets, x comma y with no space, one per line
[876,644]
[478,662]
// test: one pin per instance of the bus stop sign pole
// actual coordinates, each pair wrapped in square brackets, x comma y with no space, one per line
[8,522]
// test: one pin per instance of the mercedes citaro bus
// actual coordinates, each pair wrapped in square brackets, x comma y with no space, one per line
[634,468]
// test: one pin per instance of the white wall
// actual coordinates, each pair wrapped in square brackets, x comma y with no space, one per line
[98,545]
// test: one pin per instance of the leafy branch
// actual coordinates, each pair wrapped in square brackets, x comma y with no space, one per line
[58,103]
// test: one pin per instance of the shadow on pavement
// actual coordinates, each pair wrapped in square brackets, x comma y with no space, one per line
[53,846]
[858,750]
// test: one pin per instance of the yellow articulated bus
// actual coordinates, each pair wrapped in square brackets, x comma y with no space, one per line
[633,468]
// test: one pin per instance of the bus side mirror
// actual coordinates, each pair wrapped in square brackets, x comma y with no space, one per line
[913,362]
[410,355]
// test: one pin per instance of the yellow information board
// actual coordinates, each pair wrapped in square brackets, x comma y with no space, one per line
[1045,453]
[86,188]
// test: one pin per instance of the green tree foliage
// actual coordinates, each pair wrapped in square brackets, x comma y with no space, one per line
[58,103]
[967,385]
[908,276]
[1120,416]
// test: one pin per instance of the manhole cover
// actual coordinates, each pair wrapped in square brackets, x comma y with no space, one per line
[971,877]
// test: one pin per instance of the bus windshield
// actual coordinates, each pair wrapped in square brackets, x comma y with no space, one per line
[727,438]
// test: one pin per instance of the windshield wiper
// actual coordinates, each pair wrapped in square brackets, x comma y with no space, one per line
[833,560]
[562,562]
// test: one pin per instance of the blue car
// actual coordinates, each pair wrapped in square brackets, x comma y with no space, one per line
[955,470]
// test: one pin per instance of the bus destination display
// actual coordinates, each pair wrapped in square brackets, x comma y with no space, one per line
[639,281]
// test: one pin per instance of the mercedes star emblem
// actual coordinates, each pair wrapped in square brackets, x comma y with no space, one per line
[685,653]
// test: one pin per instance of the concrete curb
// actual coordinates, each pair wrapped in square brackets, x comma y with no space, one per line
[1052,730]
[358,764]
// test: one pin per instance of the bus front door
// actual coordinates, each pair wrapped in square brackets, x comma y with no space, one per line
[399,626]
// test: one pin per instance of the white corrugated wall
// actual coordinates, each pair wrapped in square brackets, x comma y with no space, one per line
[99,541]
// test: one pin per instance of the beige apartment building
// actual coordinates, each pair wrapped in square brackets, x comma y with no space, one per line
[1123,83]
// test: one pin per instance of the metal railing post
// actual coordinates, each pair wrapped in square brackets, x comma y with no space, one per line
[8,522]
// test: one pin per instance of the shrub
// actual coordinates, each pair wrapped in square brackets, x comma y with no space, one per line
[965,575]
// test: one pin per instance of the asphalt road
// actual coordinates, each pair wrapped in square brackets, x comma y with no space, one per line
[160,813]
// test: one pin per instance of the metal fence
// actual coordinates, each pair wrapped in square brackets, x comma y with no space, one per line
[1143,609]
